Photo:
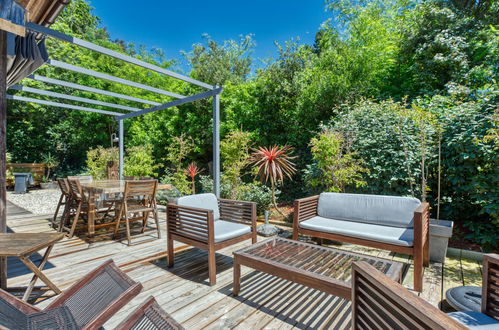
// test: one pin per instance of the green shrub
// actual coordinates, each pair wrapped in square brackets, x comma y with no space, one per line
[97,159]
[250,192]
[139,161]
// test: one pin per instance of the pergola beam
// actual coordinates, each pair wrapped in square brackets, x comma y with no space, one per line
[112,53]
[71,97]
[61,105]
[96,74]
[174,103]
[89,89]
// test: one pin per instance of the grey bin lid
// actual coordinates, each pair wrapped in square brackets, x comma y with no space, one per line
[28,175]
[465,298]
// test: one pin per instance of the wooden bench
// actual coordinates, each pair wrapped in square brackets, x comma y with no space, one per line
[398,224]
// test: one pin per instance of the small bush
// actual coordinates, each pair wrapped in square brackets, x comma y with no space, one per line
[97,159]
[139,161]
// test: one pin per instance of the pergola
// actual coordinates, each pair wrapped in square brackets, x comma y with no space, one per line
[118,111]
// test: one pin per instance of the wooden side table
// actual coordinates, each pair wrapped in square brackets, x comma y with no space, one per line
[22,245]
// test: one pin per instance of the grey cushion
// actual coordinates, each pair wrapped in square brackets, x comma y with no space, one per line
[225,230]
[475,320]
[375,209]
[384,234]
[203,201]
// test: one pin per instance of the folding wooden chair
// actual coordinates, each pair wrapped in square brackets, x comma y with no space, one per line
[64,201]
[139,200]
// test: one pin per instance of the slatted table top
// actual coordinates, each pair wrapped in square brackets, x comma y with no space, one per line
[320,267]
[23,244]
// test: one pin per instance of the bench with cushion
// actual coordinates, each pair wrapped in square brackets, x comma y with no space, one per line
[398,224]
[209,223]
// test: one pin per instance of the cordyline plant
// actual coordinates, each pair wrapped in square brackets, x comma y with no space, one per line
[193,170]
[274,164]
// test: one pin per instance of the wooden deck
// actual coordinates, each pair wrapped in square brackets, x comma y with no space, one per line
[264,301]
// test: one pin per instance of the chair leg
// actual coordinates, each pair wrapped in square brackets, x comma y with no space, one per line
[75,221]
[156,220]
[295,235]
[418,271]
[118,221]
[169,247]
[144,221]
[212,266]
[54,219]
[127,223]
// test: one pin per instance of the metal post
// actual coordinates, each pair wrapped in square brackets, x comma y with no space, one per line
[3,150]
[121,147]
[216,144]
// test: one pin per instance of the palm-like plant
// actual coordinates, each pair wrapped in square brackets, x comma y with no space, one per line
[274,164]
[193,170]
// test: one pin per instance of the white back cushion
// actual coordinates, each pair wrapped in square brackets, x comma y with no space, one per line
[203,201]
[392,211]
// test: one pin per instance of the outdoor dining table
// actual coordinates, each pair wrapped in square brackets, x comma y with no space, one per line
[96,189]
[22,246]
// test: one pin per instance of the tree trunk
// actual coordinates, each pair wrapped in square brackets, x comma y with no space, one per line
[274,200]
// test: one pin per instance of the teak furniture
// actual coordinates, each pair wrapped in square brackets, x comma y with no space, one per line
[64,200]
[88,304]
[210,224]
[139,200]
[378,302]
[22,245]
[398,224]
[149,315]
[318,267]
[95,189]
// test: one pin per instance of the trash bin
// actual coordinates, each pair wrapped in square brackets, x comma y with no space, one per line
[21,182]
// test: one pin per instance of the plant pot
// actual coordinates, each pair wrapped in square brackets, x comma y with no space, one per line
[440,232]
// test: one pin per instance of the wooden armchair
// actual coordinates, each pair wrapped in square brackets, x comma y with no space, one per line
[88,304]
[412,240]
[209,223]
[149,315]
[378,302]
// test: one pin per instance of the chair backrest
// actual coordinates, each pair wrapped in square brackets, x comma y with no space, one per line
[149,315]
[82,178]
[490,285]
[64,186]
[206,201]
[143,189]
[392,211]
[98,296]
[112,171]
[75,188]
[378,302]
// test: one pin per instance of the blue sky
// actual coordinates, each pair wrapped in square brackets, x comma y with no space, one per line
[176,25]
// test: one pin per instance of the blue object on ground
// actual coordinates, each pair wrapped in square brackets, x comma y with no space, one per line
[22,180]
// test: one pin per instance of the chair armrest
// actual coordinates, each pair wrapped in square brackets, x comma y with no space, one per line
[238,211]
[191,222]
[421,225]
[305,208]
[490,285]
[18,303]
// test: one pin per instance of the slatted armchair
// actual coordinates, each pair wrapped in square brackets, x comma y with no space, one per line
[398,224]
[378,302]
[209,223]
[88,304]
[149,315]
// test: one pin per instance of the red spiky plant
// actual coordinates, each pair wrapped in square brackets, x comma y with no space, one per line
[274,164]
[192,171]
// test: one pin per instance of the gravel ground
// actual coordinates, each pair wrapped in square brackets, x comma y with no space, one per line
[43,201]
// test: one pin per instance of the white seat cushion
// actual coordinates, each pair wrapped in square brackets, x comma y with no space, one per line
[202,201]
[225,230]
[475,320]
[385,234]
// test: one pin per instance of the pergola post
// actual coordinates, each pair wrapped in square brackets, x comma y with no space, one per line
[216,144]
[3,150]
[121,147]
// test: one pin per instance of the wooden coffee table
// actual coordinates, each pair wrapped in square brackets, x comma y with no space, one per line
[322,268]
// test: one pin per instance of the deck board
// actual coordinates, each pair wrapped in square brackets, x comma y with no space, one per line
[183,291]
